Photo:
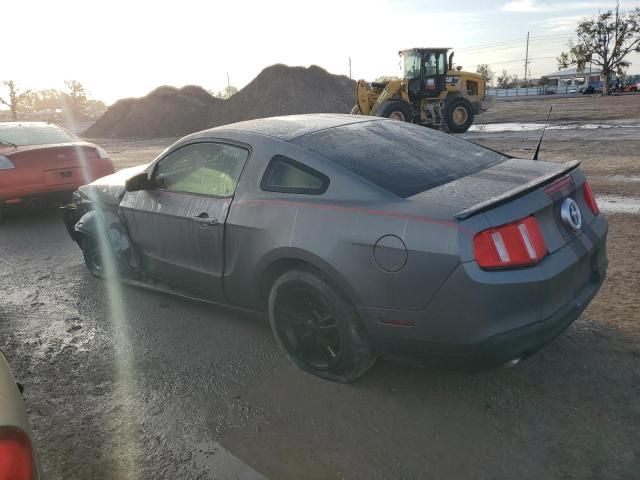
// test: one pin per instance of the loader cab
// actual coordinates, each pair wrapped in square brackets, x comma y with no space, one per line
[425,71]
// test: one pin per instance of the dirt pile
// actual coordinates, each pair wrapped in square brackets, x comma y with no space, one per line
[284,90]
[165,112]
[277,90]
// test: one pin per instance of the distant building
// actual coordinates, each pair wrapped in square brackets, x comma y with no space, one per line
[575,77]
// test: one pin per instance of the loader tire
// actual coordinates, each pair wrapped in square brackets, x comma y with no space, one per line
[458,115]
[395,110]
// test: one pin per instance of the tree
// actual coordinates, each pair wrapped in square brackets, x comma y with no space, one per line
[228,92]
[16,98]
[563,60]
[503,80]
[607,41]
[386,78]
[486,72]
[47,99]
[544,81]
[75,97]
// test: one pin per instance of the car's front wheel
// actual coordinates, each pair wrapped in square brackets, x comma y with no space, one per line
[93,257]
[317,328]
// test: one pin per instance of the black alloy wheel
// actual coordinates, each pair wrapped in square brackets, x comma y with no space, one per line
[317,328]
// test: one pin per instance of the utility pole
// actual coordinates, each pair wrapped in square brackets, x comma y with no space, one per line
[349,67]
[526,62]
[228,81]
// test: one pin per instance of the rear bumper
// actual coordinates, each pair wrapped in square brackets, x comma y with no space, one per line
[26,196]
[483,319]
[18,187]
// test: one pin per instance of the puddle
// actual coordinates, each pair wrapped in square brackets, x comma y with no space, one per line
[618,204]
[530,127]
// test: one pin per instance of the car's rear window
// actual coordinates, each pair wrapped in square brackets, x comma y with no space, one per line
[34,134]
[402,158]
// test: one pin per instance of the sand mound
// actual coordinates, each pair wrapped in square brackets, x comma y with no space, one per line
[277,90]
[165,112]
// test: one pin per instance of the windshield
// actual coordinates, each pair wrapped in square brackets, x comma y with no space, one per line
[401,158]
[34,134]
[411,64]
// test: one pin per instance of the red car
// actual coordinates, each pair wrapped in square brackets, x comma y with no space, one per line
[41,162]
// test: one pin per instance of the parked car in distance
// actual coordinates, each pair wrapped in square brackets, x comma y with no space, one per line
[550,91]
[633,87]
[359,236]
[573,90]
[17,454]
[42,162]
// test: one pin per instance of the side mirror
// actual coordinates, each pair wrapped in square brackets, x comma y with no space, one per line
[138,182]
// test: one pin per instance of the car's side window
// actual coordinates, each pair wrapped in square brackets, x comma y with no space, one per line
[202,169]
[289,176]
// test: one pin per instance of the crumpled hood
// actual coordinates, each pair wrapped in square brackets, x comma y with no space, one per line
[110,189]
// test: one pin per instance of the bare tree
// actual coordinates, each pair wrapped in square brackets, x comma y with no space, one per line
[503,80]
[607,41]
[228,92]
[76,97]
[486,72]
[385,78]
[16,98]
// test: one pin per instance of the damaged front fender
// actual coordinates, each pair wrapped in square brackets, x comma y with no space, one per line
[95,223]
[101,226]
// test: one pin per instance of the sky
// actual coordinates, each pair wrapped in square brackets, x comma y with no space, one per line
[122,49]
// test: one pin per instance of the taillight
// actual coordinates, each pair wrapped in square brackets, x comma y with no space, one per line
[516,244]
[16,455]
[590,198]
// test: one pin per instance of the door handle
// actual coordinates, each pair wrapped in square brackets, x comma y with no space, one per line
[206,220]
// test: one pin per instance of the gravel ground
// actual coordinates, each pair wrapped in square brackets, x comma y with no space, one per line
[127,383]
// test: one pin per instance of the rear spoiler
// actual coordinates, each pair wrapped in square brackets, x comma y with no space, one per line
[562,169]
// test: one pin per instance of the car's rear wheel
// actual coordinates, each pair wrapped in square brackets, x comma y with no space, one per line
[317,328]
[93,257]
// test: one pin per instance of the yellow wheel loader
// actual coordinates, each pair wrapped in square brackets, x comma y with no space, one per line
[431,93]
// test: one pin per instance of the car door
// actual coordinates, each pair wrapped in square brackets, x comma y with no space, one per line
[177,224]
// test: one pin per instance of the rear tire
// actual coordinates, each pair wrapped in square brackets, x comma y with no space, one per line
[317,329]
[395,110]
[458,114]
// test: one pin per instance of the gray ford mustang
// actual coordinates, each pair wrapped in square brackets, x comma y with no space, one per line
[359,236]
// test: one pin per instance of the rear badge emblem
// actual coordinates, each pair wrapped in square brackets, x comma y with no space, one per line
[570,213]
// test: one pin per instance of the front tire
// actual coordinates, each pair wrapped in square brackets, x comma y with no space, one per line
[395,110]
[93,257]
[317,329]
[458,114]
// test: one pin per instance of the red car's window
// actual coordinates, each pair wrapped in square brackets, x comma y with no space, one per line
[34,134]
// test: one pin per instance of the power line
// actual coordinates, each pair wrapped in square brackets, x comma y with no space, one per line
[514,42]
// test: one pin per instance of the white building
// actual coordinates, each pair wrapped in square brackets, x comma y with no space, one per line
[575,77]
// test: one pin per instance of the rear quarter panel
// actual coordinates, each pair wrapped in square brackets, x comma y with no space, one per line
[336,232]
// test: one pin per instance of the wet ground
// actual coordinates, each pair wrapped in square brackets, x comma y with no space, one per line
[127,383]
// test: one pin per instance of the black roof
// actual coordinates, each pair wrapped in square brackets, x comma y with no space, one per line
[290,127]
